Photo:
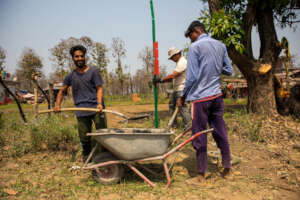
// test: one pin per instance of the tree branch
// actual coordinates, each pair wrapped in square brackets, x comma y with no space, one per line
[248,21]
[214,6]
[270,46]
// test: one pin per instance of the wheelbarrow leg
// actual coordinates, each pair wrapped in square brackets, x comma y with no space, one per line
[140,175]
[90,155]
[167,174]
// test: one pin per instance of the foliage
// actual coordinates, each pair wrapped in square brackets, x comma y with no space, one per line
[2,58]
[100,59]
[284,10]
[30,62]
[118,52]
[225,27]
[146,56]
[48,133]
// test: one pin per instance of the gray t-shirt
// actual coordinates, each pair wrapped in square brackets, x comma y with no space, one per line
[84,89]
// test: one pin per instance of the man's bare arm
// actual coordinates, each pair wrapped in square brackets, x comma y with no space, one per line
[59,97]
[99,97]
[170,77]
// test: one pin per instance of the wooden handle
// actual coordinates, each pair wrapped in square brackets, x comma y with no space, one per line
[85,109]
[172,118]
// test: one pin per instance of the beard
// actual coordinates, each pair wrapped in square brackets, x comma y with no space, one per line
[80,63]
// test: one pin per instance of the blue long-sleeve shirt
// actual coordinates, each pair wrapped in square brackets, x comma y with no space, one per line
[207,60]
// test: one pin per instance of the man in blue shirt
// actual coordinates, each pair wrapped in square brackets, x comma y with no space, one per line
[87,92]
[207,60]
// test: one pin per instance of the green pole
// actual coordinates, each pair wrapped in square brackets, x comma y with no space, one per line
[155,63]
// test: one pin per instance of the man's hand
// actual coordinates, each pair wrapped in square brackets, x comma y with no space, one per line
[179,102]
[56,108]
[100,107]
[157,80]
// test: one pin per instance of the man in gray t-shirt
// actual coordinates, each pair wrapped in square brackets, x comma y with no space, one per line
[86,85]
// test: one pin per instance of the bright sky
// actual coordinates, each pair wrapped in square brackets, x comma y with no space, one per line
[41,24]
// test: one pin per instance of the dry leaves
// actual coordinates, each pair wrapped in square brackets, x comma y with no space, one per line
[10,192]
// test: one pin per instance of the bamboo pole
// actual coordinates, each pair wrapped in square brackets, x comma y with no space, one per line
[35,92]
[51,95]
[85,109]
[15,98]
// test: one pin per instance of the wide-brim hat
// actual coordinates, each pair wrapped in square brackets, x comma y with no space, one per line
[173,51]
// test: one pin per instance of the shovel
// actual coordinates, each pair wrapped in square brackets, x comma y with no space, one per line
[95,110]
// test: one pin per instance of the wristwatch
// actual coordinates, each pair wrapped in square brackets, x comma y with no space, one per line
[99,103]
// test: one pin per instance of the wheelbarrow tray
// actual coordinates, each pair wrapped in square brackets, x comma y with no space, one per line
[133,143]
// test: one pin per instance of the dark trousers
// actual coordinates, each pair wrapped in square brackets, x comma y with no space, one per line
[85,126]
[211,112]
[184,112]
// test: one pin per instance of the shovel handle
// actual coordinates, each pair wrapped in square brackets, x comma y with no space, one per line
[172,118]
[85,109]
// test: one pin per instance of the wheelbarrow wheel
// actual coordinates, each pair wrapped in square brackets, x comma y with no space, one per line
[108,174]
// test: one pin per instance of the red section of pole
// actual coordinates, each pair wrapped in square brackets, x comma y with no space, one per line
[155,55]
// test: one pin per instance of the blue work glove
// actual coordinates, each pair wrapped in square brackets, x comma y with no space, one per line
[157,80]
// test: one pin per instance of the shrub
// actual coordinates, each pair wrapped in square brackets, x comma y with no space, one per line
[51,134]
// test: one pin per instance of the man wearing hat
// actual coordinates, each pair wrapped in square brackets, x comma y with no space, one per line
[178,77]
[207,60]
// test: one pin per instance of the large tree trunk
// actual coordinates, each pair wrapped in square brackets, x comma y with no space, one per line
[261,96]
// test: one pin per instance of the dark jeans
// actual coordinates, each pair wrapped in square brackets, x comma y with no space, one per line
[210,112]
[85,126]
[184,111]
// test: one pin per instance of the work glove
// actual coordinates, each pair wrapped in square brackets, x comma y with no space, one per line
[157,80]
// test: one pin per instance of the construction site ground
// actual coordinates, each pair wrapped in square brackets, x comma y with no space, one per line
[265,163]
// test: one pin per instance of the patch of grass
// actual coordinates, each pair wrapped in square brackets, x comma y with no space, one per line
[50,133]
[2,133]
[230,101]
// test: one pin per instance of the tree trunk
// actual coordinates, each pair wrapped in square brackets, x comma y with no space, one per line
[261,96]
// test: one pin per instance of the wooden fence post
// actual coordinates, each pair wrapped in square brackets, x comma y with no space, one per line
[35,92]
[51,95]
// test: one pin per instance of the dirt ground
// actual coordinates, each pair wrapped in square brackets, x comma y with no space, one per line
[260,171]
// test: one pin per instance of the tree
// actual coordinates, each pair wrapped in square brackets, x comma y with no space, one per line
[146,56]
[232,21]
[29,63]
[100,59]
[2,58]
[119,52]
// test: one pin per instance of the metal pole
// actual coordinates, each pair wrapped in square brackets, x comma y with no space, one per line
[155,63]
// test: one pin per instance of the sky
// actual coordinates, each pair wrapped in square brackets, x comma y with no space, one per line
[41,24]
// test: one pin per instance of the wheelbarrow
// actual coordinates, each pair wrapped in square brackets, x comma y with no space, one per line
[131,147]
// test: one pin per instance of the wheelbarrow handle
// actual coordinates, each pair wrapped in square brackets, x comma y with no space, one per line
[85,109]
